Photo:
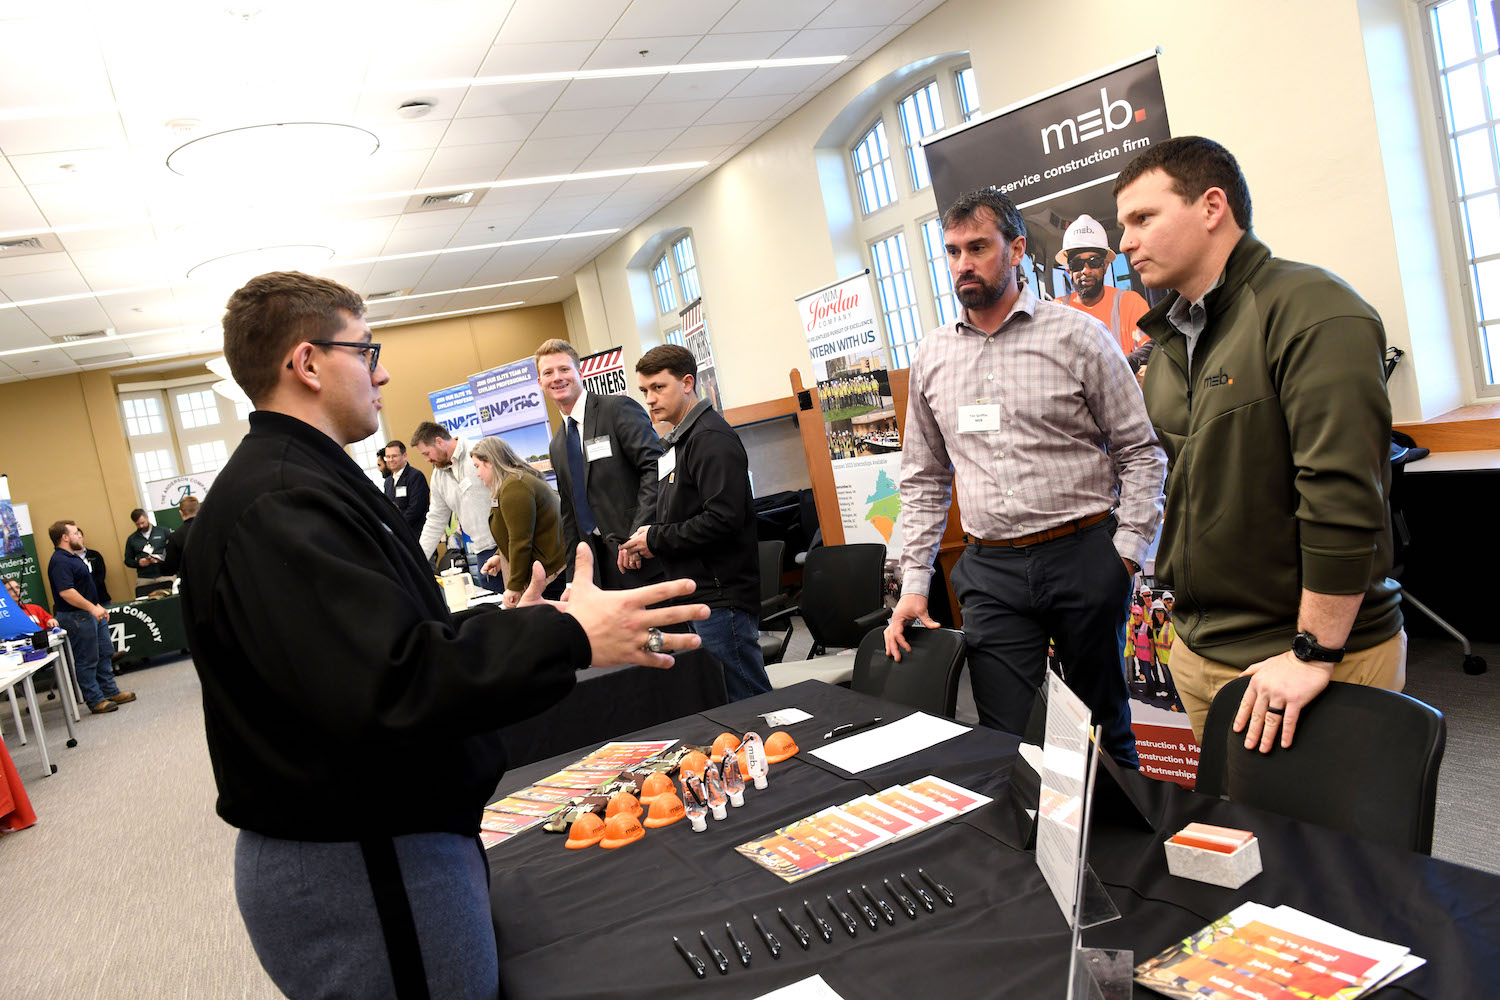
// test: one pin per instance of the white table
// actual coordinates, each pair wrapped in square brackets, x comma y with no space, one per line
[10,676]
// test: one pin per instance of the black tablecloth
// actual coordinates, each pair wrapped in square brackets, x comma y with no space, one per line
[598,924]
[607,702]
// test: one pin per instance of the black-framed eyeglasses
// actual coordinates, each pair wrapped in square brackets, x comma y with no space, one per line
[358,345]
[1076,264]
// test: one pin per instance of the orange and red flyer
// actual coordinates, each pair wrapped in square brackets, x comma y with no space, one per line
[924,809]
[947,793]
[783,856]
[489,839]
[867,810]
[622,756]
[506,823]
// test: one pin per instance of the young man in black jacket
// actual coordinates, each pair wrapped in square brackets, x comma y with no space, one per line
[355,749]
[704,526]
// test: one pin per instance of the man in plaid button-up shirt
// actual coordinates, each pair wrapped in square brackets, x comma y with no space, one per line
[1030,406]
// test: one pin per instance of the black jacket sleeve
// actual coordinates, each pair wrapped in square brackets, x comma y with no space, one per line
[558,451]
[720,470]
[417,500]
[642,448]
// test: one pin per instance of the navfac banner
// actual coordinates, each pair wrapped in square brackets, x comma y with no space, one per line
[850,368]
[509,402]
[1056,156]
[453,410]
[604,373]
[18,553]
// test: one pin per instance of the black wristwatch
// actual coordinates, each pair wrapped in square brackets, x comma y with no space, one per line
[1305,647]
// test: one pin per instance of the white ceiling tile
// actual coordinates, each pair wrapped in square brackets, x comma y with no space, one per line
[519,169]
[619,53]
[626,92]
[826,42]
[18,211]
[59,318]
[486,232]
[661,116]
[732,46]
[855,13]
[650,140]
[42,66]
[401,136]
[8,176]
[123,267]
[510,99]
[417,240]
[599,186]
[543,21]
[495,128]
[388,274]
[74,165]
[446,272]
[645,18]
[109,236]
[876,43]
[584,121]
[142,311]
[770,15]
[684,153]
[507,264]
[742,109]
[46,135]
[713,135]
[787,80]
[556,148]
[455,178]
[400,60]
[440,226]
[18,330]
[380,108]
[536,57]
[77,204]
[695,86]
[485,160]
[37,263]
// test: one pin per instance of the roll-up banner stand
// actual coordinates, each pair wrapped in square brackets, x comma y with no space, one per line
[604,373]
[1056,155]
[163,496]
[18,549]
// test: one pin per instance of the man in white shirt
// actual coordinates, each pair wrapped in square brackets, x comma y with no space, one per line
[455,489]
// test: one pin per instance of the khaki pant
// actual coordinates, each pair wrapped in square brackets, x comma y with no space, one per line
[1199,679]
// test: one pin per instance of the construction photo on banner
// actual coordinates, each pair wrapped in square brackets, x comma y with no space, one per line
[1056,156]
[695,339]
[850,368]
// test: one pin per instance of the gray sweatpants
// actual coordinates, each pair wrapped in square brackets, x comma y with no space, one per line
[312,917]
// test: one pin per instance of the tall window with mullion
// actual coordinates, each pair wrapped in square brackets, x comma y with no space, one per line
[687,268]
[937,267]
[921,115]
[968,92]
[1464,58]
[898,297]
[872,170]
[661,276]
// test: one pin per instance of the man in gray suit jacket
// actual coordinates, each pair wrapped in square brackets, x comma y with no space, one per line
[604,456]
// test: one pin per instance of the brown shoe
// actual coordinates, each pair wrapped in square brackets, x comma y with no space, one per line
[104,706]
[123,698]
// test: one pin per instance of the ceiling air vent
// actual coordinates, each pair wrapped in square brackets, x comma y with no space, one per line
[81,338]
[446,200]
[460,198]
[27,245]
[393,294]
[377,319]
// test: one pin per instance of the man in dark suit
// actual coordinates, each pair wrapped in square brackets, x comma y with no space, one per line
[177,540]
[406,488]
[605,460]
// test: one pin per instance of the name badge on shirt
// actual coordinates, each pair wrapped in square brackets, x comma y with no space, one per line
[978,418]
[667,464]
[146,550]
[400,492]
[597,448]
[494,502]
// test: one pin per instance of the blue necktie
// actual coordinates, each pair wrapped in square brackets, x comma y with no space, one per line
[581,509]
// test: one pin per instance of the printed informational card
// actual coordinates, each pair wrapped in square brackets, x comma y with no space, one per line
[524,807]
[507,823]
[545,793]
[948,794]
[1059,828]
[489,839]
[838,833]
[1277,954]
[572,778]
[622,756]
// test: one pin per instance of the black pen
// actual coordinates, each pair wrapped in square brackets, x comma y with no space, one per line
[694,962]
[879,904]
[868,913]
[903,899]
[919,892]
[715,954]
[844,918]
[795,928]
[942,890]
[739,944]
[772,945]
[852,727]
[819,922]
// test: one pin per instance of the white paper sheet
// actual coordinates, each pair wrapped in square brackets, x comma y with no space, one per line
[884,744]
[805,989]
[785,717]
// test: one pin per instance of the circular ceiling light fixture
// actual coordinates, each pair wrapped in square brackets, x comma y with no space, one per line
[284,149]
[234,269]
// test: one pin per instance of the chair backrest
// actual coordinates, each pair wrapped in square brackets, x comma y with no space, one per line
[841,583]
[1363,760]
[770,569]
[927,676]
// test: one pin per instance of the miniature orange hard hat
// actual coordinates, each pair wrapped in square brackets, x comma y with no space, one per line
[621,829]
[693,762]
[586,831]
[666,809]
[625,803]
[779,746]
[656,784]
[724,743]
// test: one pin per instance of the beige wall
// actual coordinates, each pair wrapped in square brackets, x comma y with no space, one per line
[1284,85]
[422,357]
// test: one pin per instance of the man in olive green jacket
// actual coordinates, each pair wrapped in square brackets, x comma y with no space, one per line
[1268,395]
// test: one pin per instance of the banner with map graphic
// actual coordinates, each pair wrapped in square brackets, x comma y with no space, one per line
[850,367]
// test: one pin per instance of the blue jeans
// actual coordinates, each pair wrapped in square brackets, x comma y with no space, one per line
[733,636]
[93,652]
[494,584]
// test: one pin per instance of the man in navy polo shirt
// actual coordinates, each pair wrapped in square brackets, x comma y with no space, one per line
[84,619]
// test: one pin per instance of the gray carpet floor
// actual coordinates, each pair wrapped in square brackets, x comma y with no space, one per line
[124,887]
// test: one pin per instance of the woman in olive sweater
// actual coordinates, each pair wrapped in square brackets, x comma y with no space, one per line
[524,519]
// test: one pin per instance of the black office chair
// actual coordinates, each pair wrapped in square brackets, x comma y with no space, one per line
[772,599]
[1364,760]
[843,597]
[927,676]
